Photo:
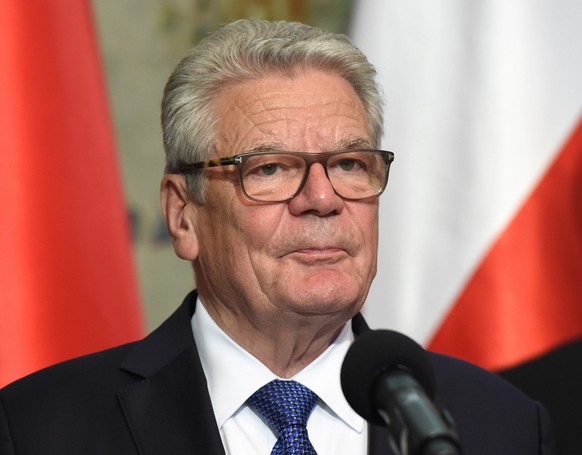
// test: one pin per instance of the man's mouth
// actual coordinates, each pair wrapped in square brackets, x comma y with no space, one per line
[318,255]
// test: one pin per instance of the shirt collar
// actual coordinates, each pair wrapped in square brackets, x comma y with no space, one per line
[226,363]
[323,377]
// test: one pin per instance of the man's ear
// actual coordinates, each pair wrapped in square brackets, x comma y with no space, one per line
[180,215]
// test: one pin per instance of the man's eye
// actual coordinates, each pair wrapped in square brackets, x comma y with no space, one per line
[347,165]
[269,169]
[265,169]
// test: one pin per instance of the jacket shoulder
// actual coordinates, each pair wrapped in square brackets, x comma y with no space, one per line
[68,375]
[490,414]
[53,410]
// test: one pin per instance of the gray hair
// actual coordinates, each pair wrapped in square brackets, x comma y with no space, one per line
[251,49]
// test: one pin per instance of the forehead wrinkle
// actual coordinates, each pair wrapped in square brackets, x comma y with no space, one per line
[244,128]
[313,133]
[275,100]
[257,114]
[277,115]
[284,113]
[306,103]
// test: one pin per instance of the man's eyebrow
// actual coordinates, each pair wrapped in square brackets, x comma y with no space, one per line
[353,143]
[347,143]
[266,147]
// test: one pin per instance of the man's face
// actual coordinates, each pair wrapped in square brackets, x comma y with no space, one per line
[314,254]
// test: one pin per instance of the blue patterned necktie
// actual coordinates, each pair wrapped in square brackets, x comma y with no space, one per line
[286,405]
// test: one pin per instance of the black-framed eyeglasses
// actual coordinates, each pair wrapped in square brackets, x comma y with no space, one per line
[280,176]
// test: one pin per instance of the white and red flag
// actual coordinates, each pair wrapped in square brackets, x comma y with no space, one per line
[481,224]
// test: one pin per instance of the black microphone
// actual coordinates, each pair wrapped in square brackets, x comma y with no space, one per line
[388,379]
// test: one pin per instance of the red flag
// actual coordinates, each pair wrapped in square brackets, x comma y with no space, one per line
[67,284]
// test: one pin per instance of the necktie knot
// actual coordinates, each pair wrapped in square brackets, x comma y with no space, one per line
[286,405]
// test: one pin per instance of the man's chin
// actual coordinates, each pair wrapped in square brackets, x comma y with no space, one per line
[326,298]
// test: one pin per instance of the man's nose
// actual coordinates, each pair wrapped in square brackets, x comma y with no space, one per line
[317,195]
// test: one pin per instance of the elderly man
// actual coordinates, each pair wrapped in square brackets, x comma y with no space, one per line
[271,189]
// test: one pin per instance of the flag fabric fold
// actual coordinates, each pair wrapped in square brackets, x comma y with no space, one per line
[525,297]
[481,225]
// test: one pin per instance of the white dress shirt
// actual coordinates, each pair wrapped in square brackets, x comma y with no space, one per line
[233,375]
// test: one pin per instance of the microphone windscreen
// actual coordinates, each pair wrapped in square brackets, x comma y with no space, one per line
[374,353]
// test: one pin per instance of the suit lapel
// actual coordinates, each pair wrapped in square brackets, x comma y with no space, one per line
[169,409]
[170,412]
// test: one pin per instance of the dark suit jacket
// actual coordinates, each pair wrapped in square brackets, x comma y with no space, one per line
[150,397]
[555,379]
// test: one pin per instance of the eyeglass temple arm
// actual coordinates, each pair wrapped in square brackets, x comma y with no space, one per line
[185,168]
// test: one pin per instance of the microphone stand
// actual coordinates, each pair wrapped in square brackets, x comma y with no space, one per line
[415,429]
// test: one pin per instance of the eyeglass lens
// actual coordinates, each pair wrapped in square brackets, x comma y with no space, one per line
[279,176]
